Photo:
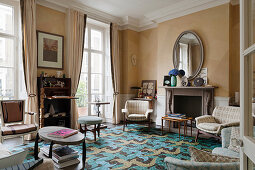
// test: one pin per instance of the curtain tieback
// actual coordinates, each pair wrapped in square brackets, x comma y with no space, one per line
[31,95]
[116,93]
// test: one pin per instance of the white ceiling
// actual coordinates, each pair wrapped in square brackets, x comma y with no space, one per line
[133,8]
[137,15]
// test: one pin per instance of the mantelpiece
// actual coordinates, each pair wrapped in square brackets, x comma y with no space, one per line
[193,101]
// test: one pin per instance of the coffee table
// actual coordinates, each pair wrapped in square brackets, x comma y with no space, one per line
[71,140]
[178,120]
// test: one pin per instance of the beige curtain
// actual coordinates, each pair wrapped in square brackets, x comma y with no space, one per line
[115,69]
[29,46]
[76,29]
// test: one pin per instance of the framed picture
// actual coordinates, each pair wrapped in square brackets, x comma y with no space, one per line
[50,50]
[149,87]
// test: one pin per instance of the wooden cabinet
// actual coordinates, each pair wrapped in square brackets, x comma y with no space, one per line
[54,101]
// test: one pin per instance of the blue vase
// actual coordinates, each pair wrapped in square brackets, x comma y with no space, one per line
[173,81]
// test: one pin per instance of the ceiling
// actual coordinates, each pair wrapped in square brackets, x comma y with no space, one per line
[133,8]
[137,15]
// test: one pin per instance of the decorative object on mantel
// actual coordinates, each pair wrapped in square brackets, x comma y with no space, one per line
[203,75]
[167,81]
[173,73]
[198,82]
[50,50]
[149,87]
[182,79]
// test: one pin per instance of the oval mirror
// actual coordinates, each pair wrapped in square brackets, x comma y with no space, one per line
[188,54]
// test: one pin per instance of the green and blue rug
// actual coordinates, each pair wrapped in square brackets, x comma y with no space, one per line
[134,149]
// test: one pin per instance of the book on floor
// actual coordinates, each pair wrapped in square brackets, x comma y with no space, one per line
[63,133]
[67,163]
[62,161]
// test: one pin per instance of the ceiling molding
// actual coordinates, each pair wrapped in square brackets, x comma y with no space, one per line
[183,8]
[91,12]
[150,20]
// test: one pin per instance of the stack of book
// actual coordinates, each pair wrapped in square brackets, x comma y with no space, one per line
[177,116]
[62,156]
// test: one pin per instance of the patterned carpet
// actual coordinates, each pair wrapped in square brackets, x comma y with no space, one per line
[135,148]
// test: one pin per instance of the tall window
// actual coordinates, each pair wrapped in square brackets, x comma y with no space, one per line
[95,80]
[10,67]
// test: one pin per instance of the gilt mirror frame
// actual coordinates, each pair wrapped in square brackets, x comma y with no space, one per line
[201,53]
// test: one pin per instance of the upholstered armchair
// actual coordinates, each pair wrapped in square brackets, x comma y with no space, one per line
[12,120]
[222,116]
[137,111]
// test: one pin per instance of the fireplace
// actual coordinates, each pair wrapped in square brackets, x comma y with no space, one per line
[193,101]
[189,105]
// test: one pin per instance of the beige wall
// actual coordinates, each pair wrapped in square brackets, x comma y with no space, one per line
[214,26]
[129,46]
[51,21]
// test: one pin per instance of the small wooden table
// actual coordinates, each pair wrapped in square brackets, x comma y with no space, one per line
[178,120]
[71,140]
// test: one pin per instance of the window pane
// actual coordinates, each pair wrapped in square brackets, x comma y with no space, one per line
[96,84]
[96,63]
[6,52]
[84,67]
[96,40]
[86,38]
[6,19]
[6,82]
[82,94]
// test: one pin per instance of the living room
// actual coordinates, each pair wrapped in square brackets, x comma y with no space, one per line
[126,84]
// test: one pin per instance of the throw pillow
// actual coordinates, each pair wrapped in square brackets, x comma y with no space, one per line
[203,156]
[235,142]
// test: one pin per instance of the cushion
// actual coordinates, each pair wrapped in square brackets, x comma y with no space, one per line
[203,156]
[18,129]
[235,139]
[225,152]
[209,126]
[90,120]
[136,117]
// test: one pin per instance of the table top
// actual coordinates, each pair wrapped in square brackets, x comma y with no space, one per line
[99,103]
[71,140]
[176,119]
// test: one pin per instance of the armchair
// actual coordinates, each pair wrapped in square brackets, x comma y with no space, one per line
[137,111]
[222,117]
[12,120]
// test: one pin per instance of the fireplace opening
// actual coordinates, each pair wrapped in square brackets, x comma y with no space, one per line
[189,105]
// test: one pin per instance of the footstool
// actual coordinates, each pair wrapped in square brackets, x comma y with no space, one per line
[90,120]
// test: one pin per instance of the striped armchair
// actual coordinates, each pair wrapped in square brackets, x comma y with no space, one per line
[136,111]
[223,116]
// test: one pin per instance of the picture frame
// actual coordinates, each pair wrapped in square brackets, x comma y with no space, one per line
[50,50]
[149,87]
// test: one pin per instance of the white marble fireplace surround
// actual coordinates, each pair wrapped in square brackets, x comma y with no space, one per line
[159,105]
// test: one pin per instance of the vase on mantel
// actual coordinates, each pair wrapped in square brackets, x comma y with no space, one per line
[173,81]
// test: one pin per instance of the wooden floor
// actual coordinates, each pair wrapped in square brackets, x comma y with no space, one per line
[18,141]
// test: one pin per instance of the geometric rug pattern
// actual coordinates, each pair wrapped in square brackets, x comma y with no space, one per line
[134,149]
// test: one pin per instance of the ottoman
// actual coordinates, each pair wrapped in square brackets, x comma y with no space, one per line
[90,120]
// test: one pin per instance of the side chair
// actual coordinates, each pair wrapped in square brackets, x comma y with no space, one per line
[12,120]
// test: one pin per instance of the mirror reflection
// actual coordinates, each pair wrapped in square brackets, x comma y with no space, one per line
[188,54]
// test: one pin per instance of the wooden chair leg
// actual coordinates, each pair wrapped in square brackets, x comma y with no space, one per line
[124,124]
[149,126]
[98,129]
[95,132]
[85,130]
[197,135]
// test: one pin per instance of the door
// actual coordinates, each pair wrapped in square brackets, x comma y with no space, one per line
[247,53]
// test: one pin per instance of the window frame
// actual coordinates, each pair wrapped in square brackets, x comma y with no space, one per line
[15,38]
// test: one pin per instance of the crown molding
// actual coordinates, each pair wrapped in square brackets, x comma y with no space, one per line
[62,5]
[150,20]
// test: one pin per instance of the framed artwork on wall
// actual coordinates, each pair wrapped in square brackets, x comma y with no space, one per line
[50,50]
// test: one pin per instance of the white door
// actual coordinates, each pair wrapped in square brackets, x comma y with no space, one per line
[247,81]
